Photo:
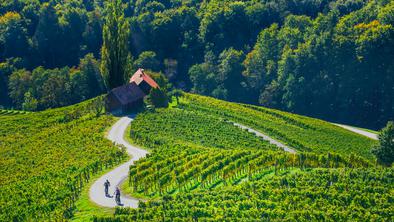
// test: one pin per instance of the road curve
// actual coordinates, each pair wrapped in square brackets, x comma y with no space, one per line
[116,176]
[265,137]
[359,131]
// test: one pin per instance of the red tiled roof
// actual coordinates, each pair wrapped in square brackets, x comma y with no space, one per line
[140,76]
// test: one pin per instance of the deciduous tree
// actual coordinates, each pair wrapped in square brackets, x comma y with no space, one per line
[384,152]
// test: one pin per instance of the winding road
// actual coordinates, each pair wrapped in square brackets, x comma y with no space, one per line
[119,174]
[359,131]
[265,137]
[116,176]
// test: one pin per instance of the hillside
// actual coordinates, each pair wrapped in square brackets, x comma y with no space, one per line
[202,167]
[46,158]
[214,110]
[300,132]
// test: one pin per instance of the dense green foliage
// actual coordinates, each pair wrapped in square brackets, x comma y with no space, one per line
[174,170]
[300,132]
[330,59]
[290,195]
[335,67]
[45,88]
[384,152]
[203,168]
[47,157]
[114,53]
[176,126]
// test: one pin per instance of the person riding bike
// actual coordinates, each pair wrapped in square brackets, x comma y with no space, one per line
[106,186]
[117,195]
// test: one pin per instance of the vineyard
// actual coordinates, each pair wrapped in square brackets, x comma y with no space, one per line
[219,121]
[47,157]
[289,195]
[203,168]
[302,133]
[6,112]
[196,169]
[176,126]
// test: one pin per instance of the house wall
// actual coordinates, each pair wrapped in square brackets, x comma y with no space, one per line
[133,106]
[145,87]
[112,103]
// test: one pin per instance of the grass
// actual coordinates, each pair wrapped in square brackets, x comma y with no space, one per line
[85,208]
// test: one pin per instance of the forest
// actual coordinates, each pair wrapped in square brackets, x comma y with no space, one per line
[330,59]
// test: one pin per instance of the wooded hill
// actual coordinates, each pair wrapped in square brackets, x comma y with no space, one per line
[323,58]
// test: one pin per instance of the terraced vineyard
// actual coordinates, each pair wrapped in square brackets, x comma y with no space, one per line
[203,168]
[176,126]
[300,132]
[196,169]
[290,195]
[7,112]
[47,157]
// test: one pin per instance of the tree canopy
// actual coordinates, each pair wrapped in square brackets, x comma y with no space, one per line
[329,59]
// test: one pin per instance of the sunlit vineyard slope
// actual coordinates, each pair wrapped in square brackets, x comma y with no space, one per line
[47,157]
[202,167]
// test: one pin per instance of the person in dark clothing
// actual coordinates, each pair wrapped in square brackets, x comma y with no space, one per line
[117,196]
[106,186]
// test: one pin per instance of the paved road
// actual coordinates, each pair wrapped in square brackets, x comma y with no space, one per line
[116,176]
[359,131]
[265,137]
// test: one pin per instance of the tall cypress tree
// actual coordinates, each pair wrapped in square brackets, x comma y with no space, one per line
[114,52]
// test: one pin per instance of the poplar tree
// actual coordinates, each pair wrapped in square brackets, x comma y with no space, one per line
[114,52]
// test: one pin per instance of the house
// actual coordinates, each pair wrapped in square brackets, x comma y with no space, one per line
[127,97]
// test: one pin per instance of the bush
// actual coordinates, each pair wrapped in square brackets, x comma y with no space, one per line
[158,98]
[384,152]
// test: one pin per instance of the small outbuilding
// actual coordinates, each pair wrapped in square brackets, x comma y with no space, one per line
[130,96]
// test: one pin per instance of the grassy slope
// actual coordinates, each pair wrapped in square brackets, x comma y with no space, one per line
[300,132]
[45,157]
